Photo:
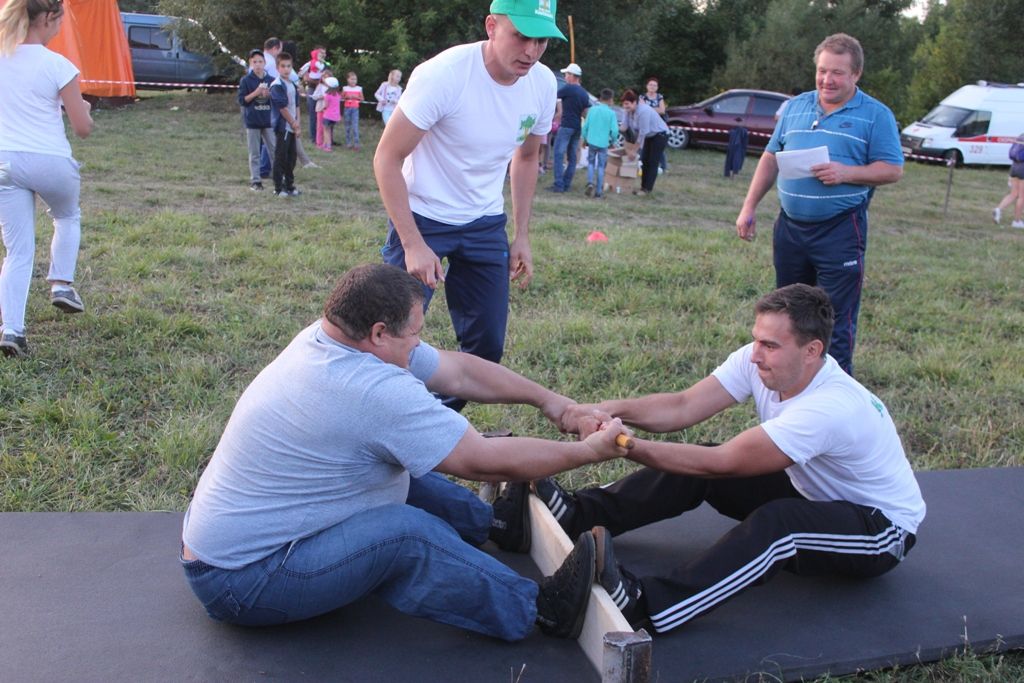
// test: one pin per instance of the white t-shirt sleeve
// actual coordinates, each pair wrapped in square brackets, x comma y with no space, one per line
[431,91]
[734,374]
[62,71]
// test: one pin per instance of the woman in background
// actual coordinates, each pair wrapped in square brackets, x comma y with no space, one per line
[35,159]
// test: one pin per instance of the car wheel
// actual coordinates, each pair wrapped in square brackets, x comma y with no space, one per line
[678,137]
[954,155]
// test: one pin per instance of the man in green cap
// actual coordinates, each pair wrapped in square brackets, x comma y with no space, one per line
[441,165]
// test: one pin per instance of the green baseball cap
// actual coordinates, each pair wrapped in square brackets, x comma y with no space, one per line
[532,18]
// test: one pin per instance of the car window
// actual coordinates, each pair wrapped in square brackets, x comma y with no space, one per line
[975,124]
[149,38]
[731,105]
[766,106]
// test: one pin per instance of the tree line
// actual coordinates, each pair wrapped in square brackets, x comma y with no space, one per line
[695,47]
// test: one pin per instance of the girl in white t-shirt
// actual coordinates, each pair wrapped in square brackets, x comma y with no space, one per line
[388,93]
[35,159]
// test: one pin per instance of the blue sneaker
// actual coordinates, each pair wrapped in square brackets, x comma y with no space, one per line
[67,300]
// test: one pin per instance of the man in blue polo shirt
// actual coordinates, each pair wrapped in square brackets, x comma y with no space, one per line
[821,233]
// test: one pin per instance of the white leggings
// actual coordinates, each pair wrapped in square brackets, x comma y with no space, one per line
[55,179]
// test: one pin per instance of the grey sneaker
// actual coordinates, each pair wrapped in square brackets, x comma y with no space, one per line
[623,588]
[13,345]
[294,192]
[561,503]
[510,527]
[997,215]
[562,598]
[1017,224]
[590,190]
[311,164]
[67,300]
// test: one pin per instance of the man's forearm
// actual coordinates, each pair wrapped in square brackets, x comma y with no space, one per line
[486,382]
[764,177]
[395,196]
[875,174]
[523,177]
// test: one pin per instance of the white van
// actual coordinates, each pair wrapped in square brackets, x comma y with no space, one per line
[974,125]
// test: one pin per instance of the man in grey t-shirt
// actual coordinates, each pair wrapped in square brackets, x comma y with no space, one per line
[325,488]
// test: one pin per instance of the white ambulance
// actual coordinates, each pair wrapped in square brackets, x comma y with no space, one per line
[974,125]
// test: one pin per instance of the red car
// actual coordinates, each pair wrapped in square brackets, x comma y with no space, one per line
[707,123]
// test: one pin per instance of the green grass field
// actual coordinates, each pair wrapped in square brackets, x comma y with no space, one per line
[193,283]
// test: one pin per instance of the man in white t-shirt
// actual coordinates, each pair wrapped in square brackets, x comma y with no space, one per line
[821,485]
[441,164]
[271,49]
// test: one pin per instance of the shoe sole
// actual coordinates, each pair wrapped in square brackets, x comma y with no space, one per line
[67,306]
[12,350]
[602,540]
[590,561]
[524,519]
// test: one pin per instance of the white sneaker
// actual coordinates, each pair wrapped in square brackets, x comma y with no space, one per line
[1018,224]
[997,215]
[311,164]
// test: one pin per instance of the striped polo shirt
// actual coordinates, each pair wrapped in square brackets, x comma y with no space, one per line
[859,133]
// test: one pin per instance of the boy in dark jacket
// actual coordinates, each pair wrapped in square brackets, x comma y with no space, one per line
[254,99]
[284,117]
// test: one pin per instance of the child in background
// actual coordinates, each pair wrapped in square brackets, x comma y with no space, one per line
[318,98]
[600,131]
[353,95]
[254,99]
[387,95]
[331,112]
[284,116]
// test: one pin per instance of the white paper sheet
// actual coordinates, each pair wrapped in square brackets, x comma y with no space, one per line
[797,163]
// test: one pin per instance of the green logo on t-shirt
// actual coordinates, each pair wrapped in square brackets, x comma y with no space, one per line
[525,126]
[878,405]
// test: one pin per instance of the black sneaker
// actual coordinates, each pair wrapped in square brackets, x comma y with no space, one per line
[561,503]
[256,187]
[13,345]
[562,599]
[623,588]
[67,300]
[510,527]
[590,190]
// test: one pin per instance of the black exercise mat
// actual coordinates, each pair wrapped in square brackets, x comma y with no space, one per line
[102,597]
[962,583]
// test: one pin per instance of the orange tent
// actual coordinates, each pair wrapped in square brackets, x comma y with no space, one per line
[92,37]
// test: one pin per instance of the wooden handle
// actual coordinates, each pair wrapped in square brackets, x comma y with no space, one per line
[624,441]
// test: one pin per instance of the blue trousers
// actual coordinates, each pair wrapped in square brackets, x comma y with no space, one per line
[476,278]
[830,255]
[566,142]
[351,115]
[417,557]
[597,160]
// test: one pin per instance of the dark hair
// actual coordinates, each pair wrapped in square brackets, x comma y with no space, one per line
[843,44]
[651,78]
[271,43]
[255,53]
[284,57]
[808,308]
[370,294]
[607,93]
[629,96]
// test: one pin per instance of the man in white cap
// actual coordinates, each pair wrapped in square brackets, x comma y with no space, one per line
[441,165]
[575,101]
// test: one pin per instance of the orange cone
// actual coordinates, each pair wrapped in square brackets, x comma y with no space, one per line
[597,236]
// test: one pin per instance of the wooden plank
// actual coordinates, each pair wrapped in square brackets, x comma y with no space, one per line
[549,547]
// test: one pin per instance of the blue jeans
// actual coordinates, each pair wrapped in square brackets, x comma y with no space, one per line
[830,255]
[476,280]
[597,159]
[566,141]
[352,126]
[410,555]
